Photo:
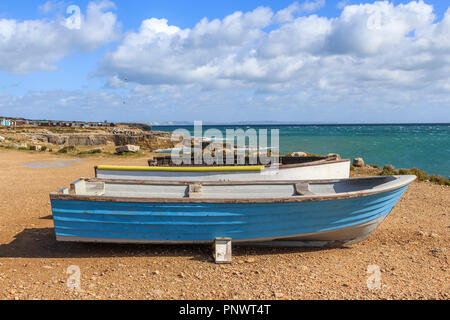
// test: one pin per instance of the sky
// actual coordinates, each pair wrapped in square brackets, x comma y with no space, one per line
[314,61]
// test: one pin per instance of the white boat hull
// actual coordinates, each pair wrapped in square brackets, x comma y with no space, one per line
[331,170]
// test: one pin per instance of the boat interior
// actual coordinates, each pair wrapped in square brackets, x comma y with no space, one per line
[168,161]
[233,190]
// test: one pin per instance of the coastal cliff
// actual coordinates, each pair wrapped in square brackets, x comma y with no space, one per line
[150,140]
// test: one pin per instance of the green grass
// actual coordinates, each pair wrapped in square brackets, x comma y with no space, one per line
[421,175]
[440,180]
[126,154]
[388,171]
[67,149]
[403,172]
[60,130]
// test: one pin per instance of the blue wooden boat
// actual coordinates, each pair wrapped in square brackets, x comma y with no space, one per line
[315,212]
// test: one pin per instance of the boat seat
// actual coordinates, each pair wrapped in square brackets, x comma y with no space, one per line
[195,190]
[302,189]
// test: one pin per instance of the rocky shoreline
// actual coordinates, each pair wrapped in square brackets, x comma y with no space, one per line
[51,140]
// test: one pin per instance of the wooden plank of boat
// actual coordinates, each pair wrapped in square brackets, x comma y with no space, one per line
[337,211]
[321,169]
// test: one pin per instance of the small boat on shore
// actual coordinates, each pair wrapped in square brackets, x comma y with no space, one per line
[290,168]
[316,213]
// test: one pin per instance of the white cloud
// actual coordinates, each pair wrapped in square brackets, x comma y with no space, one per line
[47,7]
[326,101]
[376,48]
[115,82]
[341,4]
[288,14]
[35,45]
[377,28]
[160,53]
[312,5]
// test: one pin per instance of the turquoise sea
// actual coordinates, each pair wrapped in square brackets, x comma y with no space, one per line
[424,146]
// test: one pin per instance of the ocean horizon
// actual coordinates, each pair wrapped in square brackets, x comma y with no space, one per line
[279,123]
[404,145]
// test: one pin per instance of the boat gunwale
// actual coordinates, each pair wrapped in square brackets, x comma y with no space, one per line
[291,199]
[256,168]
[312,163]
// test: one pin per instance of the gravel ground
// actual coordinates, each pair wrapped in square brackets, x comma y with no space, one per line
[410,248]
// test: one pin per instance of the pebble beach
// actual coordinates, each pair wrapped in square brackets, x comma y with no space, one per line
[410,250]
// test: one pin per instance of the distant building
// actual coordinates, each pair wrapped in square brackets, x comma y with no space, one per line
[31,122]
[8,122]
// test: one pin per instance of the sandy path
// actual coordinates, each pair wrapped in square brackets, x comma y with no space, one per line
[410,247]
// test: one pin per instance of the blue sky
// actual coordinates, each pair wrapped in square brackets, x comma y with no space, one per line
[306,61]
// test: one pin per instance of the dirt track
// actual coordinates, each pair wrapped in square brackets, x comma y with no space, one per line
[410,247]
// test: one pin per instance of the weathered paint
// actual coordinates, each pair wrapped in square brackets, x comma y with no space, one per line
[204,222]
[179,169]
[321,170]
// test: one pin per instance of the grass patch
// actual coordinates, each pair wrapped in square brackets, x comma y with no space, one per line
[126,154]
[61,130]
[440,180]
[88,152]
[421,175]
[403,172]
[67,149]
[388,171]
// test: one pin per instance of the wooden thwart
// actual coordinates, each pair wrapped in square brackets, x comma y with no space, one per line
[195,190]
[302,189]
